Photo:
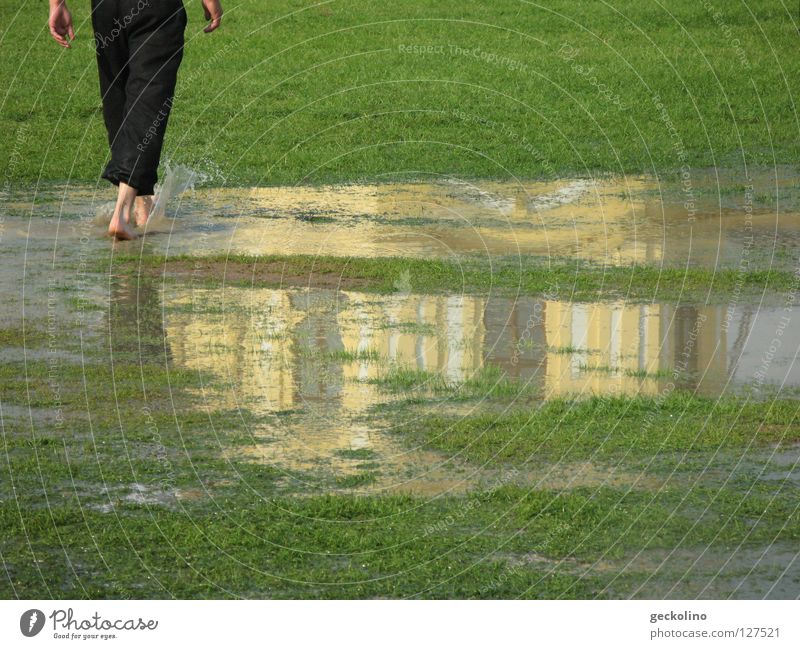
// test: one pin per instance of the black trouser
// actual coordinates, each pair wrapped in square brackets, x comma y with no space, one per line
[139,46]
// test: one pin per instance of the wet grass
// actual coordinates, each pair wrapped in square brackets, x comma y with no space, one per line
[356,453]
[560,280]
[357,480]
[71,527]
[637,374]
[618,428]
[350,355]
[341,91]
[414,328]
[392,546]
[489,382]
[568,350]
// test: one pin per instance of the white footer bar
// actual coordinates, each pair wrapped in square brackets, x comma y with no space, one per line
[379,624]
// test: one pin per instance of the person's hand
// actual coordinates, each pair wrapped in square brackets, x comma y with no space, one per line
[213,12]
[61,23]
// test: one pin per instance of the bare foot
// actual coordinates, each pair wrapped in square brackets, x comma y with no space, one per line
[142,209]
[120,230]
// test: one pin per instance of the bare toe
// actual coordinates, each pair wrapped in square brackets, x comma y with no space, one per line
[121,232]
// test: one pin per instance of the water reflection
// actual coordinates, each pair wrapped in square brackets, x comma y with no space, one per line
[609,220]
[274,343]
[135,319]
[312,354]
[618,220]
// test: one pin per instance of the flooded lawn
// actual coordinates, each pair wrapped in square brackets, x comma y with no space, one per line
[326,357]
[672,422]
[723,222]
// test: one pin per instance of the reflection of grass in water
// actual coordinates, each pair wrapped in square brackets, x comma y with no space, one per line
[569,349]
[416,328]
[340,355]
[639,374]
[489,381]
[662,373]
[599,369]
[356,453]
[357,479]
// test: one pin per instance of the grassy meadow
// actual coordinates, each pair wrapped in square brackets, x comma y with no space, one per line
[125,474]
[292,92]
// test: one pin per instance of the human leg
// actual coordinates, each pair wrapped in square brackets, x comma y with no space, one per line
[155,42]
[120,228]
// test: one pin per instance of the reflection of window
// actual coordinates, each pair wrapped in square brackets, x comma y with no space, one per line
[579,335]
[615,339]
[644,313]
[419,346]
[454,311]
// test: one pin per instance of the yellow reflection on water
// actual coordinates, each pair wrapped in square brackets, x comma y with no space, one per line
[316,352]
[608,220]
[282,349]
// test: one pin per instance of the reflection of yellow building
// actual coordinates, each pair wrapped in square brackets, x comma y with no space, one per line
[279,350]
[614,221]
[595,220]
[275,348]
[626,343]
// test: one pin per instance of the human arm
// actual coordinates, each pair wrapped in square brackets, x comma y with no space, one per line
[60,23]
[213,12]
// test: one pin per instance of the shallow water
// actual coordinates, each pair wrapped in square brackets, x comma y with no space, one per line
[308,363]
[723,222]
[276,340]
[312,359]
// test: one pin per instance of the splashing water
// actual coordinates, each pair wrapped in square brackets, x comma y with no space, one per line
[177,180]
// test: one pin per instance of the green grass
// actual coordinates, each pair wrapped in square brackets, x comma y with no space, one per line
[288,92]
[356,480]
[341,355]
[562,280]
[413,328]
[628,428]
[489,382]
[637,374]
[349,546]
[72,530]
[356,453]
[568,350]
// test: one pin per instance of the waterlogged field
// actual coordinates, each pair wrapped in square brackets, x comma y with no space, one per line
[338,366]
[261,398]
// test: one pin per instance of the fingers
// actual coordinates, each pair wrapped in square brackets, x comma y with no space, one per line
[58,37]
[212,25]
[213,12]
[71,32]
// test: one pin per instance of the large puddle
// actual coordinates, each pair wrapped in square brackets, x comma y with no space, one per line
[272,342]
[310,363]
[719,219]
